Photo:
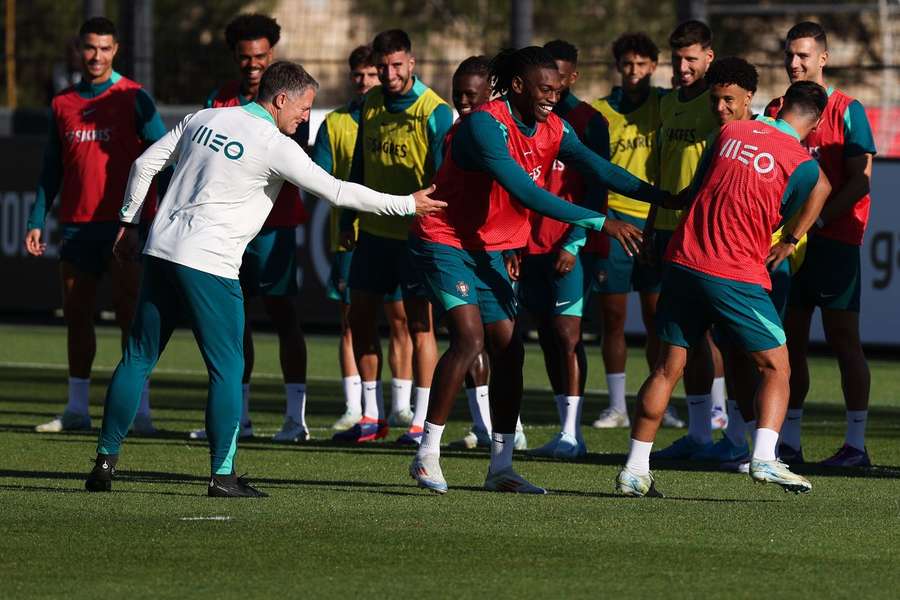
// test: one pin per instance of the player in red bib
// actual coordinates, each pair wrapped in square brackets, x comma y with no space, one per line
[470,89]
[501,151]
[269,266]
[98,127]
[830,276]
[557,268]
[754,178]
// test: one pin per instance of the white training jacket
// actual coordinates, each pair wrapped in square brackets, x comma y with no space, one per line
[230,164]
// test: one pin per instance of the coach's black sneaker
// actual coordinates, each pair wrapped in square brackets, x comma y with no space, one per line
[100,479]
[230,486]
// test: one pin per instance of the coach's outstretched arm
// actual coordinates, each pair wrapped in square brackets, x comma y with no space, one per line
[294,165]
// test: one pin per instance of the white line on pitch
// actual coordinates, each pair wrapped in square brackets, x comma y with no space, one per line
[218,518]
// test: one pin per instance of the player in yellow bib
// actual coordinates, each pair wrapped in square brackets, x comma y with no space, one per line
[398,147]
[686,124]
[632,112]
[333,151]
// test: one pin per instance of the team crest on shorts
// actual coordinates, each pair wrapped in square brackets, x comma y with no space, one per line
[463,288]
[601,276]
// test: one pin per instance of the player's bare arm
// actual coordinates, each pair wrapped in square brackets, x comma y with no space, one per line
[805,220]
[859,169]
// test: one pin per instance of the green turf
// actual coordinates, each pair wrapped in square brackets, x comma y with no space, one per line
[345,521]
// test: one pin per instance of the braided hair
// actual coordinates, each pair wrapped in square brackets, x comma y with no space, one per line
[510,63]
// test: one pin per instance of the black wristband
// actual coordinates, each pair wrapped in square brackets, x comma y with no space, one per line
[128,225]
[787,238]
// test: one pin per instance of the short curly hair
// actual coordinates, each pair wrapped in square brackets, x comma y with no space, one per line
[252,27]
[562,50]
[637,42]
[733,70]
[474,65]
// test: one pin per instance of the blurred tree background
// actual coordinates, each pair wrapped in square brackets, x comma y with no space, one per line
[190,56]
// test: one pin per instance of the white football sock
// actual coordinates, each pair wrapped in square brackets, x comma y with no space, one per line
[78,396]
[353,394]
[790,431]
[431,439]
[856,429]
[480,407]
[401,391]
[699,425]
[764,444]
[571,424]
[639,457]
[560,400]
[501,451]
[421,411]
[578,435]
[373,403]
[615,383]
[718,393]
[144,406]
[519,426]
[295,402]
[736,431]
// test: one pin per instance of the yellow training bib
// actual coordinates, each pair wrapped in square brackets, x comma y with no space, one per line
[341,128]
[396,157]
[632,141]
[682,138]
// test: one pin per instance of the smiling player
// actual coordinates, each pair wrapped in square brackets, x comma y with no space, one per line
[492,177]
[97,128]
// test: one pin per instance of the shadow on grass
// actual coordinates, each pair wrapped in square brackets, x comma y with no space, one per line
[259,444]
[79,490]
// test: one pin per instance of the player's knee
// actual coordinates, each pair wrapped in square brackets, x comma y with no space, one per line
[671,364]
[671,373]
[419,327]
[844,340]
[469,347]
[774,363]
[511,354]
[567,341]
[613,321]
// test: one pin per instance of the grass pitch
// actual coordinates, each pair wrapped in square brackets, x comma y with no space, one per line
[349,522]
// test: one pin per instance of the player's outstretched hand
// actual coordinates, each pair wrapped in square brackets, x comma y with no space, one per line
[513,262]
[425,205]
[33,244]
[565,261]
[126,246]
[628,235]
[778,253]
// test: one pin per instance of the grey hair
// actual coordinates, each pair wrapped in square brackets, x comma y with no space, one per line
[284,77]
